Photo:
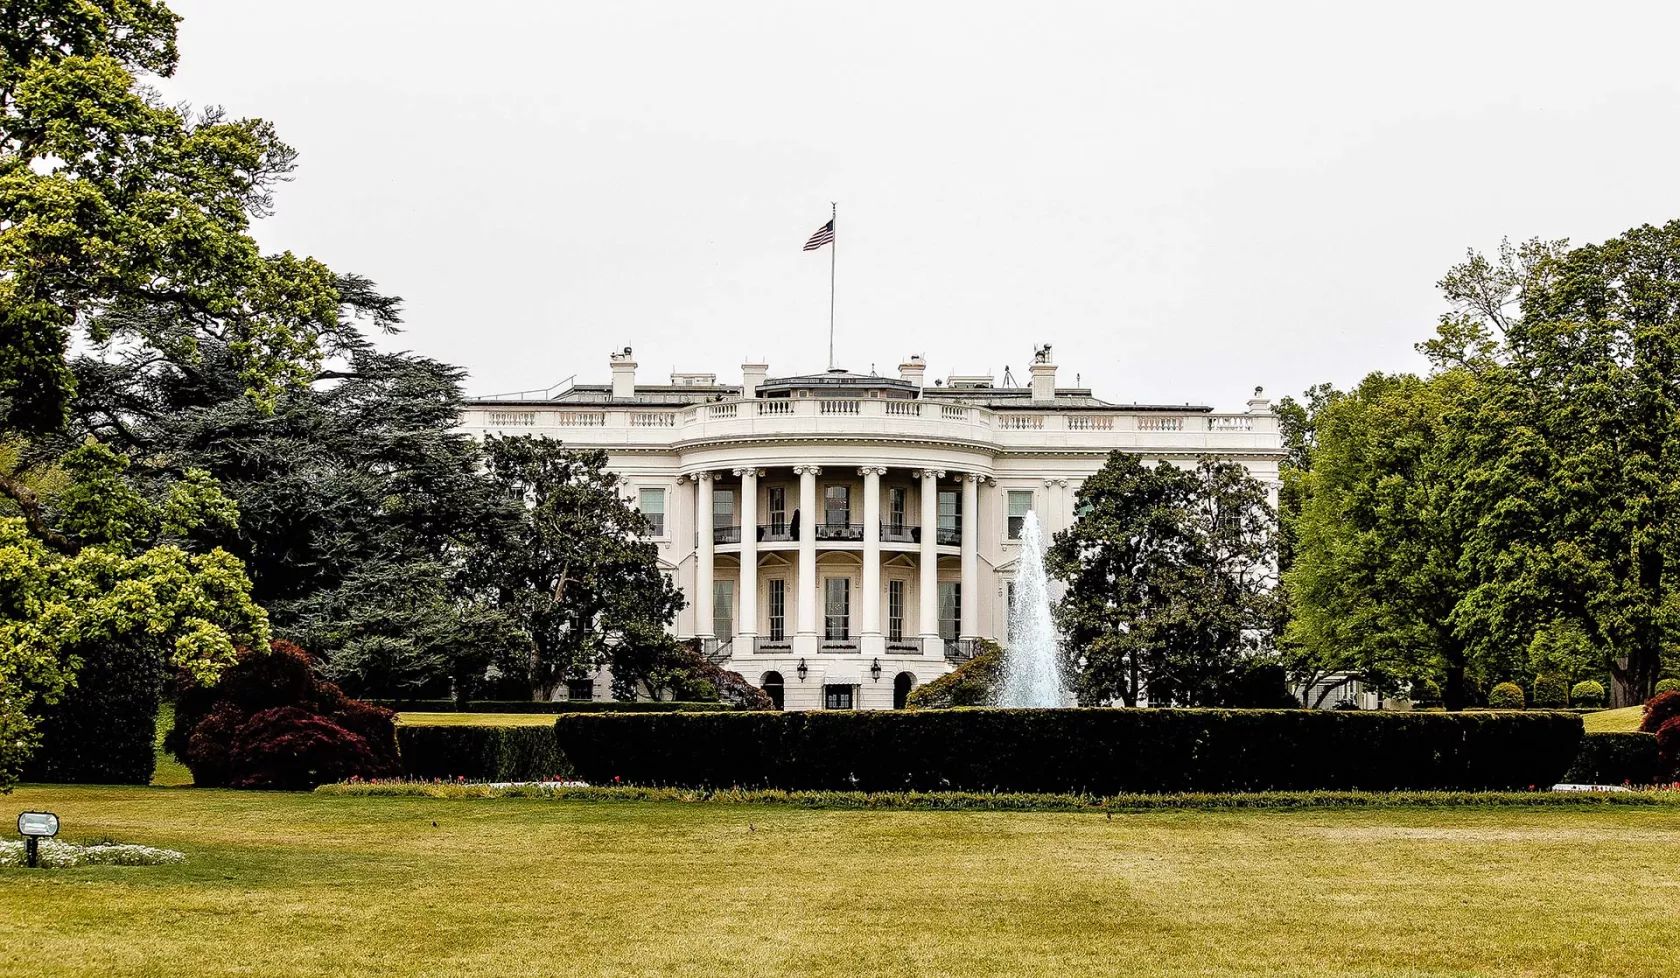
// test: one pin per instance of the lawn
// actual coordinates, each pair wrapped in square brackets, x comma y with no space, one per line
[1625,719]
[298,884]
[477,719]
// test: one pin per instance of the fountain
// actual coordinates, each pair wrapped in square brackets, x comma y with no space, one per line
[1032,668]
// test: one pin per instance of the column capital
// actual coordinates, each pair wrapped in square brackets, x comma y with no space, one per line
[876,469]
[748,470]
[803,469]
[924,473]
[977,477]
[1054,482]
[697,476]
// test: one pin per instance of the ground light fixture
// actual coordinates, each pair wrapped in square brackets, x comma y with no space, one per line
[35,826]
[802,670]
[875,670]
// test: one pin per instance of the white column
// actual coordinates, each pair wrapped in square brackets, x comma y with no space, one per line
[970,612]
[807,549]
[703,548]
[872,554]
[748,628]
[929,589]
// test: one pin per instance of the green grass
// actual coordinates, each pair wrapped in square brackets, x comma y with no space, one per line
[307,884]
[477,719]
[1623,720]
[169,772]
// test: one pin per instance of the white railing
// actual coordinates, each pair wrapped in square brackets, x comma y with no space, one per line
[581,419]
[1231,424]
[645,419]
[1087,422]
[1020,422]
[717,411]
[774,408]
[904,409]
[512,419]
[1160,424]
[952,412]
[835,406]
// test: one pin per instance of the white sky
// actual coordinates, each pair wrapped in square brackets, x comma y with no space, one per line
[1187,200]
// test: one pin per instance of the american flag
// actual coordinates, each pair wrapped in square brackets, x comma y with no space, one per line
[824,235]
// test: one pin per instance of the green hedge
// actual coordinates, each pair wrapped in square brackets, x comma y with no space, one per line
[481,753]
[1615,758]
[1093,751]
[555,706]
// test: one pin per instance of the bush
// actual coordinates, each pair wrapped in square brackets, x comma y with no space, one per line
[1660,709]
[1551,691]
[481,753]
[1426,692]
[560,706]
[1587,693]
[1667,686]
[1668,750]
[217,736]
[1103,751]
[1615,758]
[974,683]
[1506,696]
[104,729]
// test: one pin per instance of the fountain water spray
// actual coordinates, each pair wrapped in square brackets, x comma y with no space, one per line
[1032,666]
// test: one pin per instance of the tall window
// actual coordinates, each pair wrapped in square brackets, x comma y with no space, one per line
[723,610]
[652,504]
[837,697]
[837,608]
[950,516]
[778,609]
[837,505]
[778,509]
[1020,504]
[895,610]
[896,497]
[1009,611]
[950,609]
[723,507]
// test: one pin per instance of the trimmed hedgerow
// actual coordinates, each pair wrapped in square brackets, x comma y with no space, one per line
[558,706]
[481,753]
[1615,758]
[1101,751]
[104,729]
[1506,696]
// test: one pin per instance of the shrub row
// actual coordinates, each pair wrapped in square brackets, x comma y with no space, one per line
[1083,751]
[556,706]
[1615,758]
[480,753]
[950,801]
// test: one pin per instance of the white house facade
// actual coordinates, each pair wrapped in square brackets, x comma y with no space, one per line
[842,538]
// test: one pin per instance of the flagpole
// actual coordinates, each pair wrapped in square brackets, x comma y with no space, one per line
[833,251]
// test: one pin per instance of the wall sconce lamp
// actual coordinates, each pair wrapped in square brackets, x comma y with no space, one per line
[875,670]
[802,670]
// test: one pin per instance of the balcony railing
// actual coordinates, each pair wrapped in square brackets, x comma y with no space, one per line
[840,531]
[840,645]
[729,533]
[961,649]
[901,533]
[949,536]
[775,533]
[762,645]
[717,651]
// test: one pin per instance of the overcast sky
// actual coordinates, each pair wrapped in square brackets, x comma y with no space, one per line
[1187,200]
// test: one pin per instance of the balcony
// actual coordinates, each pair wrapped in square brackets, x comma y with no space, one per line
[730,533]
[717,651]
[840,645]
[949,536]
[900,533]
[762,645]
[961,650]
[840,531]
[776,533]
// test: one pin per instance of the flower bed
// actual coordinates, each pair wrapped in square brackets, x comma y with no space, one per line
[63,855]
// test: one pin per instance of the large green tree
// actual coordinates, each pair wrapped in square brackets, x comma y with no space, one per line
[1168,576]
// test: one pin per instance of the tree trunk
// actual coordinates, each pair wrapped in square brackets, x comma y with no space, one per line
[1455,695]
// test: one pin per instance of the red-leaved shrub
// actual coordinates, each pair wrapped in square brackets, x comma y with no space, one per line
[1668,750]
[1660,709]
[286,748]
[309,732]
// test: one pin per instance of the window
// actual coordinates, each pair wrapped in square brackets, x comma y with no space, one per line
[723,507]
[950,609]
[895,508]
[652,505]
[837,697]
[1020,504]
[1009,611]
[950,517]
[778,509]
[895,610]
[837,505]
[772,686]
[723,610]
[580,689]
[778,609]
[837,608]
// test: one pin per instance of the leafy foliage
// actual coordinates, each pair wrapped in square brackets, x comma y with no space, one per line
[289,749]
[1506,696]
[1668,686]
[1660,709]
[1587,693]
[481,753]
[1168,574]
[974,683]
[1615,758]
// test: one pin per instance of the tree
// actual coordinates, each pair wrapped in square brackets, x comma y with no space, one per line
[574,567]
[1168,574]
[1377,574]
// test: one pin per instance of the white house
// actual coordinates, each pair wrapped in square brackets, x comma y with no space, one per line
[842,537]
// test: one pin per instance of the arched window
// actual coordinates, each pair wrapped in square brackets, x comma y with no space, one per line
[772,686]
[903,683]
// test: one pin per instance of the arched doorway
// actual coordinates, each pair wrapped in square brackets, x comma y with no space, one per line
[903,683]
[772,686]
